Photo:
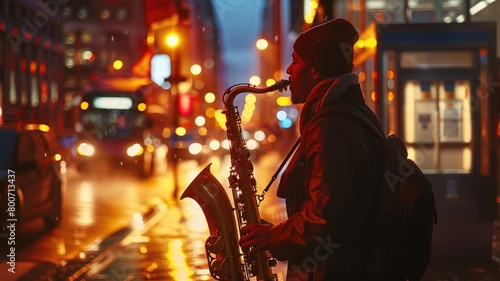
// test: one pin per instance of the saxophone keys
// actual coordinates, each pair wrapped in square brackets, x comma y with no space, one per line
[215,244]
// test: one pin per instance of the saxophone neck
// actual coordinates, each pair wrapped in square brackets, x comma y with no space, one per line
[233,91]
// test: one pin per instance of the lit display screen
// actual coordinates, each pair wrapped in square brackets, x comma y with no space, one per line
[113,103]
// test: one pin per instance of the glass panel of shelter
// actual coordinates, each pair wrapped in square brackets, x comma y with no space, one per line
[438,124]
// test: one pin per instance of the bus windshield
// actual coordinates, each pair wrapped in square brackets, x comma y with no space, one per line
[113,115]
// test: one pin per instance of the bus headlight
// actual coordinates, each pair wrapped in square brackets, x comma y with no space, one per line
[85,149]
[135,150]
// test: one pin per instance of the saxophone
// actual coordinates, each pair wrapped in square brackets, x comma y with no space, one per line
[226,260]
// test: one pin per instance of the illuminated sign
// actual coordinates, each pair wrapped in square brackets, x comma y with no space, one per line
[160,68]
[113,103]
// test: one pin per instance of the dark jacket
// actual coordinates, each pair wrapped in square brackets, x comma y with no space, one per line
[330,193]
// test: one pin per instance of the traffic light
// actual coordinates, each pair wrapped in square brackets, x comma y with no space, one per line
[184,104]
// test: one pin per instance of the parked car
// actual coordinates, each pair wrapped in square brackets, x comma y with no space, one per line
[33,176]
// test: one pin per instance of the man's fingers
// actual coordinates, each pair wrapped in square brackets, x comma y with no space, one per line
[246,242]
[257,246]
[246,229]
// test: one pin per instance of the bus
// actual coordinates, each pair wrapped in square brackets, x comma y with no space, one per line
[116,128]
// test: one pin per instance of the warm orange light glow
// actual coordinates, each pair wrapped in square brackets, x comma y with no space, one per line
[43,128]
[262,44]
[255,80]
[380,17]
[165,133]
[84,105]
[195,69]
[374,96]
[390,74]
[209,97]
[310,8]
[284,101]
[390,96]
[180,131]
[33,66]
[118,64]
[270,82]
[210,112]
[360,44]
[141,106]
[172,40]
[371,42]
[250,98]
[150,39]
[362,76]
[220,117]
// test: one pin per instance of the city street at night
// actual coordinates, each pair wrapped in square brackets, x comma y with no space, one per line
[119,227]
[112,111]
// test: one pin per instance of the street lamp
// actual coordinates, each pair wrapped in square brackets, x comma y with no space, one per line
[173,41]
[261,44]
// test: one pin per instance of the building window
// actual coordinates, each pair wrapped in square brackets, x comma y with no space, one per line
[105,14]
[83,13]
[86,36]
[35,101]
[67,12]
[70,38]
[121,14]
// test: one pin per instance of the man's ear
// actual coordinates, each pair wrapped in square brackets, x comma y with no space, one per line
[315,74]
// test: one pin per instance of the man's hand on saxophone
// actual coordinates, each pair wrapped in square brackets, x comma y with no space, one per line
[256,236]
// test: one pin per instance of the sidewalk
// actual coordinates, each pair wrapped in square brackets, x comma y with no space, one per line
[462,270]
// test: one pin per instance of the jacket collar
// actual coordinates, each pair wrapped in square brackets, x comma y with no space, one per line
[325,92]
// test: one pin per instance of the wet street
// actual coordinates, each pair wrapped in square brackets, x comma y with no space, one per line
[119,227]
[116,226]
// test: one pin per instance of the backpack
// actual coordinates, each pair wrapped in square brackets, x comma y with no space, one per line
[407,206]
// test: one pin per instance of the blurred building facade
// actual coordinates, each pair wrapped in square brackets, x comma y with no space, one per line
[119,38]
[31,55]
[102,38]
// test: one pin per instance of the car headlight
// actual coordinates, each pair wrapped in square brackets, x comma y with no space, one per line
[135,150]
[85,149]
[195,148]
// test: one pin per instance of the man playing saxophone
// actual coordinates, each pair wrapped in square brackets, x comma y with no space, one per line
[329,183]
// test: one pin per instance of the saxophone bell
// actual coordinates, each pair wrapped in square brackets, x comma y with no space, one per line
[221,246]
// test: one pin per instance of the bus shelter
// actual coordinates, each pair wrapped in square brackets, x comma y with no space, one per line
[433,86]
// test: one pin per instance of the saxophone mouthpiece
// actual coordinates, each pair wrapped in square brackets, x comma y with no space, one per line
[280,85]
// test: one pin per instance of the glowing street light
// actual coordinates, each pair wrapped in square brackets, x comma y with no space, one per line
[195,69]
[172,40]
[117,64]
[262,44]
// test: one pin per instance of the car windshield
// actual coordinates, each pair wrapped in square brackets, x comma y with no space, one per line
[7,149]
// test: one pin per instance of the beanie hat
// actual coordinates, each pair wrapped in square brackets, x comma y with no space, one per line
[328,47]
